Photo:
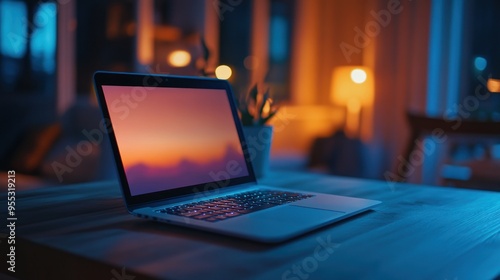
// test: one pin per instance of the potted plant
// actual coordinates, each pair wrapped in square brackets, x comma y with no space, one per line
[256,109]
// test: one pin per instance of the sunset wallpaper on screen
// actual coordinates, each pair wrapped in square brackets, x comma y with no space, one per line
[173,137]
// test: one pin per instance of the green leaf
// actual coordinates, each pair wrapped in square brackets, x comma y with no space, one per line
[263,121]
[254,93]
[263,102]
[206,51]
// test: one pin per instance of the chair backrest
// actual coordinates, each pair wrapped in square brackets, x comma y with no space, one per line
[421,126]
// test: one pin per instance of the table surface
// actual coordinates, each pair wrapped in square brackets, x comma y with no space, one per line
[418,232]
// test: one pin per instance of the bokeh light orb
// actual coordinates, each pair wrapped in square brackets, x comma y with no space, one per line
[358,76]
[223,72]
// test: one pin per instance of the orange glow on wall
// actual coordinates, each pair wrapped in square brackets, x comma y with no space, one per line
[145,24]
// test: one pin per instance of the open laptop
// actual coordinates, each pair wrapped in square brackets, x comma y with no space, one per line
[180,153]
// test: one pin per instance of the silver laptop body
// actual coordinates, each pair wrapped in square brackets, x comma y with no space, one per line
[181,158]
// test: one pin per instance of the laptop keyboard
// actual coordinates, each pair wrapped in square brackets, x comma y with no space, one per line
[225,207]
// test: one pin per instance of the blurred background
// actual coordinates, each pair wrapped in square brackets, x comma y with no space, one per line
[380,89]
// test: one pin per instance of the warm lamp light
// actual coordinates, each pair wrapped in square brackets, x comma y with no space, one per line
[179,58]
[223,72]
[358,76]
[352,87]
[493,85]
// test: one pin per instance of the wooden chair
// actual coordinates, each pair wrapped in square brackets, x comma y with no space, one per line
[484,173]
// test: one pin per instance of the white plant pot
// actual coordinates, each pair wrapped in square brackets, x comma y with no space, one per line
[258,140]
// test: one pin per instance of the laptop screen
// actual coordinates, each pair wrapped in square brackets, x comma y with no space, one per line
[170,137]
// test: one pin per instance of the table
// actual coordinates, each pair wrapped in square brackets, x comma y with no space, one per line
[419,232]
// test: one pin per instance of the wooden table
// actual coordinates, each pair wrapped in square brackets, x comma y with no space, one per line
[419,232]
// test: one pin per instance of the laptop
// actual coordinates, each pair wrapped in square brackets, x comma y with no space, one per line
[180,153]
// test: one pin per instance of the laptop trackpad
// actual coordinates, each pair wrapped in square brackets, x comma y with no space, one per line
[279,223]
[299,214]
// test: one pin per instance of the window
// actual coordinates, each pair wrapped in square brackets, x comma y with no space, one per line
[483,61]
[280,33]
[28,47]
[236,42]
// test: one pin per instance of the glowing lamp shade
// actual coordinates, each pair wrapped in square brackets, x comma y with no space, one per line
[352,83]
[179,58]
[223,72]
[352,87]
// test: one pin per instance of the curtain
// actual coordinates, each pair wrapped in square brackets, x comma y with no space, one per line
[400,63]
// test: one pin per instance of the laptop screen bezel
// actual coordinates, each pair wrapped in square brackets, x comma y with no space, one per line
[102,78]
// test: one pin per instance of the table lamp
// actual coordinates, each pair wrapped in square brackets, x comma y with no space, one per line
[352,87]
